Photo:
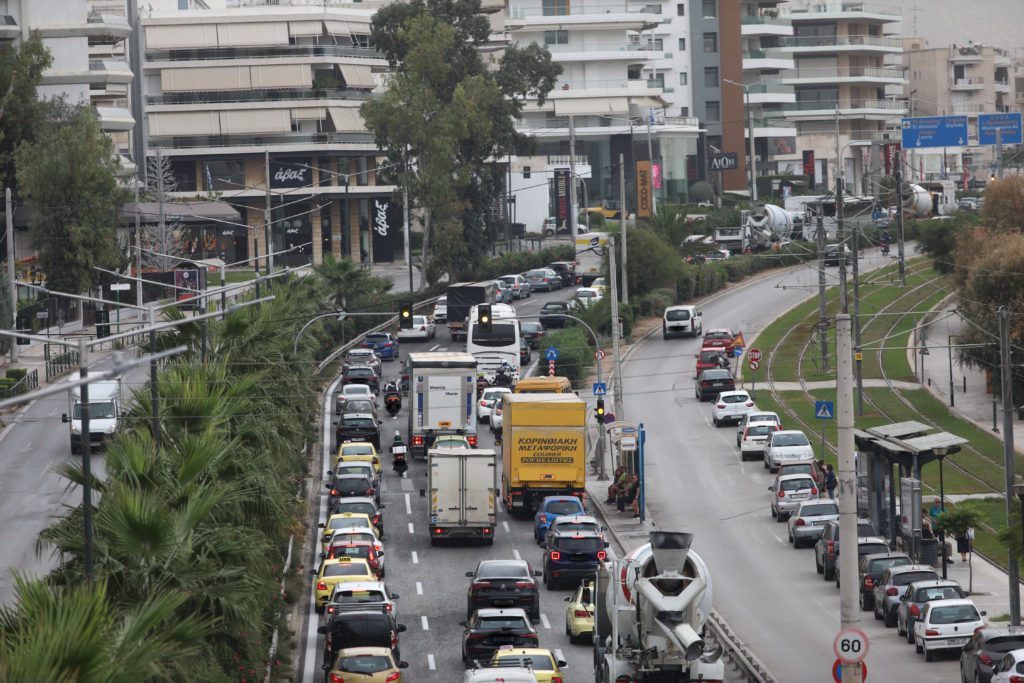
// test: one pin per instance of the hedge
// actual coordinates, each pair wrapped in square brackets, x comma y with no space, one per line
[575,353]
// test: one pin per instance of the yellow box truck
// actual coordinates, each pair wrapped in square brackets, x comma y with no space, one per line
[543,448]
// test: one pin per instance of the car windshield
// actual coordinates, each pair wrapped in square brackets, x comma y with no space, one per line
[357,449]
[736,398]
[360,551]
[578,545]
[352,483]
[796,484]
[501,334]
[553,308]
[343,522]
[500,623]
[358,422]
[798,468]
[363,664]
[531,327]
[358,597]
[866,529]
[819,509]
[509,281]
[359,372]
[535,662]
[883,563]
[354,468]
[941,593]
[907,578]
[345,569]
[502,570]
[362,507]
[676,315]
[535,274]
[1004,643]
[357,390]
[953,614]
[872,548]
[491,394]
[419,320]
[716,374]
[709,356]
[360,406]
[377,338]
[97,411]
[585,295]
[563,507]
[790,440]
[762,430]
[713,335]
[577,526]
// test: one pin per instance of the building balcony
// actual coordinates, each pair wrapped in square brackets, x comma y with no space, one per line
[605,88]
[588,52]
[1002,87]
[850,75]
[786,130]
[283,95]
[803,45]
[106,29]
[771,93]
[598,17]
[109,71]
[869,109]
[771,59]
[967,84]
[835,11]
[597,126]
[9,29]
[260,54]
[968,109]
[966,54]
[114,118]
[763,25]
[296,141]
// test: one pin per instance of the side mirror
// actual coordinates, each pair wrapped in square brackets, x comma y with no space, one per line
[322,630]
[327,485]
[320,526]
[543,544]
[380,422]
[312,572]
[567,598]
[462,623]
[323,556]
[562,664]
[400,628]
[64,418]
[537,572]
[771,488]
[984,613]
[394,596]
[381,506]
[403,665]
[607,544]
[469,575]
[325,667]
[330,473]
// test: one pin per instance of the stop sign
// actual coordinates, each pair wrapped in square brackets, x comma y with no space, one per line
[754,355]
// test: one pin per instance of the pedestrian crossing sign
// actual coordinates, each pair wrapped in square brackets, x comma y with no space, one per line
[824,410]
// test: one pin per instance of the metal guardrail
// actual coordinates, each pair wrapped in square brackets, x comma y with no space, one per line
[58,364]
[24,385]
[737,652]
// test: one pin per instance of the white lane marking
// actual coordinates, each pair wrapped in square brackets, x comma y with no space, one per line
[408,504]
[558,654]
[435,347]
[415,557]
[411,530]
[544,620]
[779,539]
[423,622]
[508,529]
[53,412]
[27,447]
[515,552]
[419,588]
[430,663]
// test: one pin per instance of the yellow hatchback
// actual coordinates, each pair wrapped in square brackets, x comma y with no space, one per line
[541,661]
[338,570]
[359,451]
[343,520]
[371,664]
[579,613]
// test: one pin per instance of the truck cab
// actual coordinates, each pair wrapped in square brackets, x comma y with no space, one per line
[104,396]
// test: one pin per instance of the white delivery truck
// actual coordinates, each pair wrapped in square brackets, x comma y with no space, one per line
[442,396]
[590,253]
[104,410]
[463,485]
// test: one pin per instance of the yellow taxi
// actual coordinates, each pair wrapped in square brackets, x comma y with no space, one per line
[338,570]
[601,285]
[579,613]
[542,662]
[372,664]
[359,451]
[344,520]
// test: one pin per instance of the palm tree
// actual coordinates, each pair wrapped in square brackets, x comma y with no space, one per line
[344,282]
[670,222]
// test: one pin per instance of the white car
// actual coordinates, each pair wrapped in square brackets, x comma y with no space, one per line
[788,492]
[685,319]
[350,391]
[520,287]
[1007,668]
[807,523]
[755,416]
[423,328]
[490,398]
[587,296]
[731,406]
[362,595]
[753,439]
[495,420]
[788,445]
[441,310]
[946,625]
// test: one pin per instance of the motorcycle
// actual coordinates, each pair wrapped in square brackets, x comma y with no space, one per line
[503,378]
[393,402]
[399,464]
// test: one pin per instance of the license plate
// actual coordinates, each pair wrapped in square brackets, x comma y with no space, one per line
[818,523]
[956,641]
[799,496]
[503,639]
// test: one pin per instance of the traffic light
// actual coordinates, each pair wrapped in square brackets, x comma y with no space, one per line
[405,316]
[599,411]
[484,317]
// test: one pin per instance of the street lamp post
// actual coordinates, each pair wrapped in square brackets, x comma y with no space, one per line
[941,453]
[750,133]
[949,347]
[1018,489]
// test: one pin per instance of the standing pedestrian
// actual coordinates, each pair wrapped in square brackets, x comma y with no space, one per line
[963,544]
[830,481]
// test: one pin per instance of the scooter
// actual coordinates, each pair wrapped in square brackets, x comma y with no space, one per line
[393,402]
[399,466]
[885,249]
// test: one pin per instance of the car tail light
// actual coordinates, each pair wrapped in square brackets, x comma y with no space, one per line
[387,345]
[555,555]
[543,518]
[799,522]
[915,611]
[580,613]
[601,555]
[705,383]
[335,678]
[472,439]
[393,676]
[750,404]
[321,585]
[417,440]
[394,640]
[932,632]
[480,585]
[869,583]
[369,492]
[423,328]
[376,519]
[334,492]
[892,591]
[985,659]
[719,405]
[483,403]
[556,679]
[1016,679]
[524,584]
[330,609]
[530,636]
[782,494]
[814,491]
[476,636]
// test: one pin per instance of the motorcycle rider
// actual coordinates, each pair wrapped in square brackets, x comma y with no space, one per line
[505,376]
[399,464]
[885,239]
[392,397]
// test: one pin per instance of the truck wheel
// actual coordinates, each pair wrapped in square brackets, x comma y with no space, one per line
[433,541]
[488,541]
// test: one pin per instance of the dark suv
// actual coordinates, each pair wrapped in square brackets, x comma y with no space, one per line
[358,427]
[349,628]
[826,550]
[566,271]
[551,314]
[570,556]
[488,630]
[503,583]
[984,650]
[361,374]
[870,571]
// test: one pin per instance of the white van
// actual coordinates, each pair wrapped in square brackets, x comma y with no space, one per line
[684,319]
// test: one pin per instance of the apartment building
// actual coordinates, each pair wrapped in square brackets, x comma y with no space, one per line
[259,105]
[844,58]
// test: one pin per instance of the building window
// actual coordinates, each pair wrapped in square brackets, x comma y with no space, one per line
[683,78]
[633,72]
[325,170]
[526,172]
[711,77]
[712,111]
[710,43]
[684,111]
[184,175]
[556,37]
[710,9]
[653,9]
[182,4]
[224,174]
[656,81]
[680,10]
[682,44]
[555,8]
[362,166]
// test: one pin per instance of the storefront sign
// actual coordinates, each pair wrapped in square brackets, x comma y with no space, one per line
[892,157]
[385,223]
[291,172]
[644,189]
[809,167]
[562,197]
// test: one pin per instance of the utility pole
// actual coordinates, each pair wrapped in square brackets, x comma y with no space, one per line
[899,226]
[12,275]
[849,609]
[622,228]
[999,153]
[573,212]
[617,385]
[138,247]
[822,301]
[161,196]
[1006,388]
[750,135]
[154,394]
[650,155]
[266,219]
[856,320]
[86,448]
[844,305]
[405,216]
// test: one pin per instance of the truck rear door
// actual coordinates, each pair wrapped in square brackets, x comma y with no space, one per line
[443,399]
[479,492]
[445,490]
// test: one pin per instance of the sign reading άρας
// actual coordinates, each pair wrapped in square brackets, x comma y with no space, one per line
[551,448]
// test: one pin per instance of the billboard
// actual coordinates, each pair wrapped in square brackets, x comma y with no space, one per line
[809,168]
[562,198]
[291,172]
[386,221]
[644,189]
[891,151]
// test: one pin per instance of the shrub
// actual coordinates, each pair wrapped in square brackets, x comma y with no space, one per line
[575,353]
[654,303]
[17,374]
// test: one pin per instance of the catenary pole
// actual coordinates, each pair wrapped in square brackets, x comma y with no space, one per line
[11,273]
[849,608]
[1006,389]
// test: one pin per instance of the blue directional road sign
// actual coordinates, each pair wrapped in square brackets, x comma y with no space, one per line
[824,410]
[737,351]
[1008,125]
[934,131]
[551,354]
[600,389]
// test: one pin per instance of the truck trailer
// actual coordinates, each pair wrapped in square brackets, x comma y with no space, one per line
[442,397]
[463,296]
[463,486]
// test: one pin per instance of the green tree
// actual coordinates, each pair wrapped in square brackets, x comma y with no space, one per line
[68,179]
[345,284]
[956,522]
[653,262]
[21,70]
[670,223]
[1004,205]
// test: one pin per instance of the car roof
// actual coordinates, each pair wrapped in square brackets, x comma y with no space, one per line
[911,568]
[368,416]
[680,307]
[884,556]
[952,602]
[937,583]
[357,499]
[576,533]
[711,372]
[864,540]
[735,392]
[819,501]
[799,475]
[555,499]
[714,330]
[358,443]
[346,560]
[376,651]
[575,519]
[790,431]
[351,475]
[362,586]
[501,612]
[761,413]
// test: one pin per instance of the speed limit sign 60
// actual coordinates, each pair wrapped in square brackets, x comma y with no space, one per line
[851,645]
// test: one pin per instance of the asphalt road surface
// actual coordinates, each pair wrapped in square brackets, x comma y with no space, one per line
[768,592]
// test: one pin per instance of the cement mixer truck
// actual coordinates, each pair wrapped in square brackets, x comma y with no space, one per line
[763,227]
[649,625]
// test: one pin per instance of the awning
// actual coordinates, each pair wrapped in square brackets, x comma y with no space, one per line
[347,119]
[184,123]
[339,28]
[357,76]
[282,76]
[206,78]
[305,28]
[645,102]
[245,121]
[181,37]
[252,34]
[309,113]
[591,105]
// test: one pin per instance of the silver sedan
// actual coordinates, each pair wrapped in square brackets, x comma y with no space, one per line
[806,523]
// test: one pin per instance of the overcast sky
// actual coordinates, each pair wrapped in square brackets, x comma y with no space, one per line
[943,22]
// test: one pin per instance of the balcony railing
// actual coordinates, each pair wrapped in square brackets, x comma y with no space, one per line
[598,47]
[885,73]
[972,82]
[597,84]
[768,53]
[839,41]
[291,94]
[522,12]
[770,89]
[965,109]
[833,105]
[263,53]
[194,141]
[836,7]
[764,20]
